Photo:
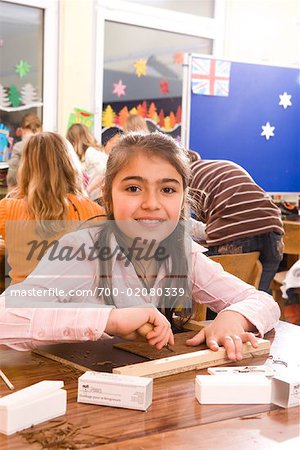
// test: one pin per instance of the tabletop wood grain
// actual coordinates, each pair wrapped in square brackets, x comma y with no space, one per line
[174,417]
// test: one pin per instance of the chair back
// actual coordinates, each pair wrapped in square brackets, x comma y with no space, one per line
[291,238]
[245,266]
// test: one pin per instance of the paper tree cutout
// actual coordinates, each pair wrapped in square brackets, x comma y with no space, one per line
[142,109]
[4,100]
[23,68]
[172,119]
[119,88]
[140,67]
[28,93]
[178,58]
[268,131]
[152,110]
[161,118]
[14,95]
[285,100]
[165,122]
[123,114]
[108,117]
[133,111]
[164,86]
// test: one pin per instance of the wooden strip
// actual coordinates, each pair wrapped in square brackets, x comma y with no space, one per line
[190,361]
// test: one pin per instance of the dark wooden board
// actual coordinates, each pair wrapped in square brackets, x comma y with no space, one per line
[104,355]
[142,348]
[99,356]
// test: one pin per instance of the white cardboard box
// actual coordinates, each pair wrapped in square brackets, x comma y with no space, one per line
[233,389]
[286,390]
[32,405]
[108,389]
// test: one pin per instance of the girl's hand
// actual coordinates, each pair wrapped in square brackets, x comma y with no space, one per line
[125,321]
[229,329]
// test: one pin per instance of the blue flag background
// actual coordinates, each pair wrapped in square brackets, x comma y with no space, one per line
[230,127]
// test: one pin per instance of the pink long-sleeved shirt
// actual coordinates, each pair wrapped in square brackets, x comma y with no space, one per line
[59,301]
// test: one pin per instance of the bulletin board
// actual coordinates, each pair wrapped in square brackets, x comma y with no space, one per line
[246,113]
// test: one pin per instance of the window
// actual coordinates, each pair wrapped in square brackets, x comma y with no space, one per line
[21,69]
[141,52]
[28,63]
[143,74]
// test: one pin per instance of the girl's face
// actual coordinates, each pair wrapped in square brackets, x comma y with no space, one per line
[147,197]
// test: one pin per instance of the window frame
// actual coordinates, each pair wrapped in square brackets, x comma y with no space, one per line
[50,58]
[161,19]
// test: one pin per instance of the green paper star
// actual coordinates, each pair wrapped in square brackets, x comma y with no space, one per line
[23,68]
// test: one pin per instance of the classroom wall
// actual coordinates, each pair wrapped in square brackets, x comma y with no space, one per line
[76,59]
[265,31]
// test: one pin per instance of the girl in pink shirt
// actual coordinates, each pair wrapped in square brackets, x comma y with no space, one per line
[141,256]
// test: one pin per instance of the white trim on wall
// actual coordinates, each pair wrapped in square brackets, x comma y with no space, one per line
[150,17]
[50,58]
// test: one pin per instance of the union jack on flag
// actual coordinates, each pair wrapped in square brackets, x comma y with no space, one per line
[210,77]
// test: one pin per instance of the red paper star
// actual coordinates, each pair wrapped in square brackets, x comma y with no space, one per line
[164,86]
[119,88]
[178,58]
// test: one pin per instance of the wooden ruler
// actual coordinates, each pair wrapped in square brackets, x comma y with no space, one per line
[190,361]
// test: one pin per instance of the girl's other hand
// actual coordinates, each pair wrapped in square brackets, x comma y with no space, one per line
[125,322]
[229,329]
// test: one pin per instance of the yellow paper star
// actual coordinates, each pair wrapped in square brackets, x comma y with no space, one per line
[140,67]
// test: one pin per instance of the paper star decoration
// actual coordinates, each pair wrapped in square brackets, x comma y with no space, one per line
[268,131]
[119,88]
[285,100]
[23,68]
[140,67]
[164,86]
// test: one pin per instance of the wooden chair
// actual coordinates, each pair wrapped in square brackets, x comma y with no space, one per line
[245,266]
[291,238]
[291,241]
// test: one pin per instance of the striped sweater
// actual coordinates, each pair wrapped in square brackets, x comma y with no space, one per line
[18,230]
[230,203]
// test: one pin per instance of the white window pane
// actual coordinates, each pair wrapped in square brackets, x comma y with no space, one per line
[21,64]
[203,8]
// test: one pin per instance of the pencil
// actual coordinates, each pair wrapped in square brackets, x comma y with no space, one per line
[6,380]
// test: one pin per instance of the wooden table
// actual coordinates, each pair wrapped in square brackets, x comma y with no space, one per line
[175,420]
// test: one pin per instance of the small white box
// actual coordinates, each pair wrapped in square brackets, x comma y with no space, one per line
[109,389]
[233,389]
[286,390]
[32,405]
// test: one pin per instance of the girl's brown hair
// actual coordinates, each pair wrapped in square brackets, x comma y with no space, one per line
[31,122]
[157,144]
[46,176]
[81,139]
[134,122]
[176,268]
